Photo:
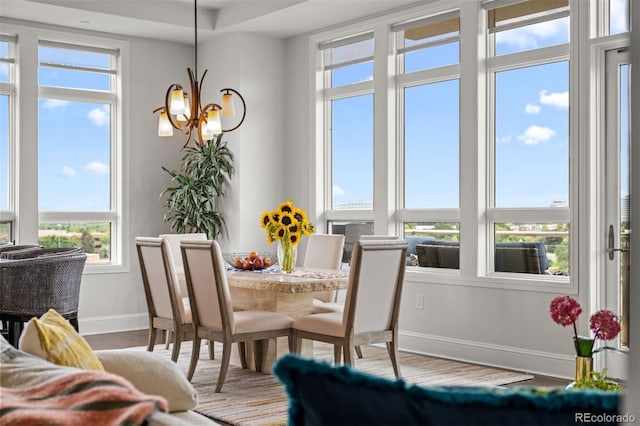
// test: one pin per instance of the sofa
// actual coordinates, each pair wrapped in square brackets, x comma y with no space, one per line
[322,394]
[146,374]
[516,256]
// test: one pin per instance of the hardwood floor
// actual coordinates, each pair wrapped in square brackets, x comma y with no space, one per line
[139,338]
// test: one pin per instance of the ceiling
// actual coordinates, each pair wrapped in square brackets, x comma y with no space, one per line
[173,20]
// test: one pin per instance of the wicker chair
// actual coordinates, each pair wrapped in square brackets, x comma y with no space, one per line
[30,287]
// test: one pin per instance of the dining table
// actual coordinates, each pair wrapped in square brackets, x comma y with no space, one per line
[287,293]
[273,290]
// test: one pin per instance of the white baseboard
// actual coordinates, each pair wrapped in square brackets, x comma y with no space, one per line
[525,360]
[113,323]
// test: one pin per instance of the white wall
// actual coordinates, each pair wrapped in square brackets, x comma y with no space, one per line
[253,65]
[116,301]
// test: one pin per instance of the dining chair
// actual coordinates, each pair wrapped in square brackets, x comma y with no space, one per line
[168,310]
[371,308]
[176,256]
[324,252]
[213,315]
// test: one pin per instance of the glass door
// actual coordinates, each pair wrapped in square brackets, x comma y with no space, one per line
[618,204]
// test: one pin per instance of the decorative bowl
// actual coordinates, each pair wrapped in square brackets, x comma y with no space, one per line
[251,261]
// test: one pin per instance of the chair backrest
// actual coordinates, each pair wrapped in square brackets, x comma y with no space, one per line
[375,285]
[160,280]
[324,251]
[517,259]
[207,285]
[33,286]
[174,245]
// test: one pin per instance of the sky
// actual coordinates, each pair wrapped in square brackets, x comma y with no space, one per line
[531,131]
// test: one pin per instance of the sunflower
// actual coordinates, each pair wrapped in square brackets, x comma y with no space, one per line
[265,218]
[287,223]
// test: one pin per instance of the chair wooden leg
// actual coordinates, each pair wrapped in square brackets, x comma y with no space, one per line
[337,354]
[260,353]
[167,336]
[242,351]
[295,344]
[224,365]
[74,323]
[348,354]
[176,346]
[195,355]
[392,348]
[211,349]
[152,339]
[359,351]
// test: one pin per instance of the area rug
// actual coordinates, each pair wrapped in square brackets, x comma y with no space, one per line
[251,398]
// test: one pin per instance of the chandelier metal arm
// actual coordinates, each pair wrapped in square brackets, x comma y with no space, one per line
[244,108]
[198,115]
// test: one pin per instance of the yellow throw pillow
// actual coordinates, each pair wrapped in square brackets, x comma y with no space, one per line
[52,338]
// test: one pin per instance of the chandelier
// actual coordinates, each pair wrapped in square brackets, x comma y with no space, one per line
[186,114]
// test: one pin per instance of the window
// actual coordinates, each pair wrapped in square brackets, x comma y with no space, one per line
[77,84]
[428,58]
[481,147]
[527,25]
[7,94]
[72,141]
[529,136]
[619,16]
[347,76]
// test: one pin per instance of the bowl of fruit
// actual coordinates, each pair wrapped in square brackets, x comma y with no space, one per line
[251,261]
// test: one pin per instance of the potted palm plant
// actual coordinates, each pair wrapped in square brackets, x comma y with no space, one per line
[192,199]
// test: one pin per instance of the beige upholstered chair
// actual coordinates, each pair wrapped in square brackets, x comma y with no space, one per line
[174,244]
[176,256]
[324,252]
[168,310]
[372,305]
[213,316]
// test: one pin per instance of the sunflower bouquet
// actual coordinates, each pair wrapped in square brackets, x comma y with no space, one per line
[287,225]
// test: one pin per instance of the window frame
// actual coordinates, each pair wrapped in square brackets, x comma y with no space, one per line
[474,214]
[25,186]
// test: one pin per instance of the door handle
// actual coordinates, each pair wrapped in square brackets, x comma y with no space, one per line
[611,242]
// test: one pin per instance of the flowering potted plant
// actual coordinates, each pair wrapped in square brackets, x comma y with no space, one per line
[565,311]
[287,225]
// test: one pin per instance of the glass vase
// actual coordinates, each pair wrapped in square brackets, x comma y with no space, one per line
[287,254]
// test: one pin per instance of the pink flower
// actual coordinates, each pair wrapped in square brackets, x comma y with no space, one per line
[604,324]
[565,310]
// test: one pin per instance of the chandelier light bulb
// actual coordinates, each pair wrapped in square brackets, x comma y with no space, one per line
[177,102]
[164,126]
[187,107]
[228,109]
[214,127]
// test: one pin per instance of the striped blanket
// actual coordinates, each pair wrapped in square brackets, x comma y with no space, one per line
[83,398]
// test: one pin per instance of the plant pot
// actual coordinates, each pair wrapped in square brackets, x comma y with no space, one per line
[584,367]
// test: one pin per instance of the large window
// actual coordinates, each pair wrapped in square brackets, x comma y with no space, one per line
[75,167]
[71,141]
[499,192]
[7,95]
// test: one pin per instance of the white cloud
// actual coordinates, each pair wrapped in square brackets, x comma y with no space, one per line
[532,109]
[529,37]
[337,191]
[99,116]
[619,11]
[559,100]
[54,103]
[504,139]
[536,134]
[68,171]
[96,168]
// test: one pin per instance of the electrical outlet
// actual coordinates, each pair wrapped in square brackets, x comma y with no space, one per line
[419,301]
